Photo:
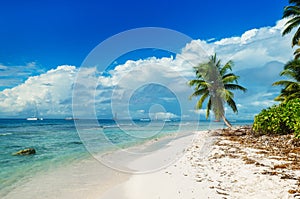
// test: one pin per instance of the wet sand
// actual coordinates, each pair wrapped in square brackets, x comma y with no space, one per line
[84,179]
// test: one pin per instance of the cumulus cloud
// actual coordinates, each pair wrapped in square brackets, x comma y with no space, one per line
[50,93]
[163,116]
[253,49]
[259,55]
[11,76]
[264,103]
[243,40]
[199,111]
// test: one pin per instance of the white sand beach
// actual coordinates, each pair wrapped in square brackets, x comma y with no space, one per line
[209,170]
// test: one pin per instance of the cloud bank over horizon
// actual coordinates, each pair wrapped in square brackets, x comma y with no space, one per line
[154,85]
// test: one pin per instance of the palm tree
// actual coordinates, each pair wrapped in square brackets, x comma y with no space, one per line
[291,88]
[214,82]
[292,12]
[297,53]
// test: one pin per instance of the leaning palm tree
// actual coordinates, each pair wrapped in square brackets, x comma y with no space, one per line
[291,88]
[213,82]
[292,13]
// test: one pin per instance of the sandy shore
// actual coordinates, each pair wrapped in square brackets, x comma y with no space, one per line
[199,165]
[212,167]
[79,180]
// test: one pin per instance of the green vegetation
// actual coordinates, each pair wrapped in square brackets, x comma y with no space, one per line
[214,82]
[285,117]
[292,13]
[291,88]
[279,119]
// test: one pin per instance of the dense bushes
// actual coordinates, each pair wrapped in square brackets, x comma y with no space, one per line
[279,119]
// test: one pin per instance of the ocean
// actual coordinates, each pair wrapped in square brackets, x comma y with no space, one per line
[59,142]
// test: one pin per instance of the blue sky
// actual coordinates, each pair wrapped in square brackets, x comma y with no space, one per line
[53,33]
[45,42]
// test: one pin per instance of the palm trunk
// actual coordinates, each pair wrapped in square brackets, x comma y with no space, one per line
[226,121]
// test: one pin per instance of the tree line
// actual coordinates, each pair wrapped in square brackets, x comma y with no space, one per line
[215,84]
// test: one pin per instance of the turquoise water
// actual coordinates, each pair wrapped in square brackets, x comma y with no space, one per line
[57,142]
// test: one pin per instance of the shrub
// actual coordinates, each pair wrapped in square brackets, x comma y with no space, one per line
[279,119]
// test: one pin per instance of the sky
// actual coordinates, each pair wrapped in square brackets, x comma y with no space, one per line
[43,45]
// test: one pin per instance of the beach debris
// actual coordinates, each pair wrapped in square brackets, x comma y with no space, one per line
[27,151]
[279,155]
[222,193]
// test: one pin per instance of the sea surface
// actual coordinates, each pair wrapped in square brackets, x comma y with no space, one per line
[59,142]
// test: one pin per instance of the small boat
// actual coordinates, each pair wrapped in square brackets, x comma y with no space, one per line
[145,120]
[70,118]
[34,118]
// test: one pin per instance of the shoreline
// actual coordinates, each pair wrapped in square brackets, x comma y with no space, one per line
[132,159]
[214,166]
[167,182]
[85,178]
[202,164]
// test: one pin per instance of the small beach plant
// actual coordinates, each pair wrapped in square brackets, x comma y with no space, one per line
[215,82]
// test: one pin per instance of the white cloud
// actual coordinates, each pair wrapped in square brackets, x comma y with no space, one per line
[199,111]
[229,41]
[2,67]
[163,116]
[244,39]
[52,91]
[264,103]
[268,94]
[257,47]
[11,76]
[168,99]
[211,39]
[248,35]
[49,93]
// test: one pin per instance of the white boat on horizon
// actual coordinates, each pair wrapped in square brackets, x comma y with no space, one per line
[71,118]
[35,115]
[145,119]
[33,118]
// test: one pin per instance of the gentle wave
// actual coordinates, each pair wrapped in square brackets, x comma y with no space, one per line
[4,134]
